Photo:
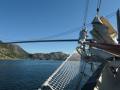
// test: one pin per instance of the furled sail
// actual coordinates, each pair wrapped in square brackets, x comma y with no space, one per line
[103,32]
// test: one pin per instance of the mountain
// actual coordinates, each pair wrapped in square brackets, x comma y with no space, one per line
[13,51]
[50,56]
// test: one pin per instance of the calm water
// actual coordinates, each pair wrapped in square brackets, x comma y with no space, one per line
[25,74]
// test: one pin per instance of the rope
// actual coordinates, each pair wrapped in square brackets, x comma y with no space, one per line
[111,15]
[98,6]
[65,32]
[86,13]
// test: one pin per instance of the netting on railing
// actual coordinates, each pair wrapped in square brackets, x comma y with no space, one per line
[66,77]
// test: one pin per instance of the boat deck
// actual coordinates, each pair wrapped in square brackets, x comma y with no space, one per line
[107,81]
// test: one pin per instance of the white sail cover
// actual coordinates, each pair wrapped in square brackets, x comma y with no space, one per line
[103,32]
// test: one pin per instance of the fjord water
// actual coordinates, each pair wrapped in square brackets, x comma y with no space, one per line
[25,74]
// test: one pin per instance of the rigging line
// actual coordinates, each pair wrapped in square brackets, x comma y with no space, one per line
[65,32]
[62,33]
[49,40]
[98,6]
[73,30]
[86,13]
[35,41]
[56,35]
[111,14]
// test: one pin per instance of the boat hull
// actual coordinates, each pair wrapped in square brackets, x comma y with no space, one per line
[107,80]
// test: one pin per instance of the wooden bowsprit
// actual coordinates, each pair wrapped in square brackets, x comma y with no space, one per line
[113,49]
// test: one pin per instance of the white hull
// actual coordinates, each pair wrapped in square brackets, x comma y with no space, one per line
[107,80]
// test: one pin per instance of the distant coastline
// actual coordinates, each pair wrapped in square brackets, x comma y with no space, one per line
[15,52]
[49,56]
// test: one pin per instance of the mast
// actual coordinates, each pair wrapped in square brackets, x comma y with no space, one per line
[118,24]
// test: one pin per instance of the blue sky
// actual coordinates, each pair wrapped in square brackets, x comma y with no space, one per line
[34,19]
